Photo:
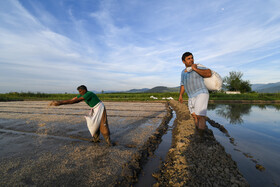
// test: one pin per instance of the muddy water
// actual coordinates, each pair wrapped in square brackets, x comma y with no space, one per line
[48,146]
[154,162]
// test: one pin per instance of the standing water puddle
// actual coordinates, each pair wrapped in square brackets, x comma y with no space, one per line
[152,165]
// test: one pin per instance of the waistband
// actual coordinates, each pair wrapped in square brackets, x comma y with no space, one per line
[97,105]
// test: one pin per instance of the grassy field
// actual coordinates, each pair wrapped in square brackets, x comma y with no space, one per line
[104,97]
[15,96]
[246,96]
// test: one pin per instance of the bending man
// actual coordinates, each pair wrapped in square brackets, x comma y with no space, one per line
[192,82]
[98,112]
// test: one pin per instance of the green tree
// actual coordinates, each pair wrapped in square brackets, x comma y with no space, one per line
[234,82]
[245,86]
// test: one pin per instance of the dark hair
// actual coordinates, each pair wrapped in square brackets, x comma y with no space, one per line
[83,87]
[185,55]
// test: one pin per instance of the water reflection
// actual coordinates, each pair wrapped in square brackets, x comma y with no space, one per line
[257,139]
[262,106]
[234,113]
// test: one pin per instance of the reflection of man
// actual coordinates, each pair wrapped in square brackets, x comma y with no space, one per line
[192,82]
[98,111]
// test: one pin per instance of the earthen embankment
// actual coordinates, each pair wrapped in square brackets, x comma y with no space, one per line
[193,163]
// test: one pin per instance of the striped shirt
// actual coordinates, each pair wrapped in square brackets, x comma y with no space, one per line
[193,83]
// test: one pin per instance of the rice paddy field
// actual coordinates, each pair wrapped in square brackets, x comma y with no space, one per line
[46,146]
[43,145]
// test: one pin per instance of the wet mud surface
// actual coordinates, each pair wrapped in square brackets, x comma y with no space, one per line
[194,163]
[50,146]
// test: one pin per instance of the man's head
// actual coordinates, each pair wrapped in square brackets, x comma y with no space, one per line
[82,89]
[187,59]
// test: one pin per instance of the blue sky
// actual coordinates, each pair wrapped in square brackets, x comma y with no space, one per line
[54,46]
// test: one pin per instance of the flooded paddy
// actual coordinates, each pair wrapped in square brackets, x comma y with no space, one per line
[48,146]
[253,140]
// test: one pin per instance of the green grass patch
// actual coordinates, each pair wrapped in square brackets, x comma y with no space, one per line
[137,96]
[15,96]
[245,96]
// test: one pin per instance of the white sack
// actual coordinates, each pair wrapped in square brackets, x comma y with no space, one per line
[94,118]
[213,83]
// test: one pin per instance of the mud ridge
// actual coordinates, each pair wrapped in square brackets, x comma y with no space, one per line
[194,163]
[132,169]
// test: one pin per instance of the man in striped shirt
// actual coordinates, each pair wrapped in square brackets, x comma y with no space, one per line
[192,82]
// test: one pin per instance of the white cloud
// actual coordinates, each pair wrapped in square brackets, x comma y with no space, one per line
[124,45]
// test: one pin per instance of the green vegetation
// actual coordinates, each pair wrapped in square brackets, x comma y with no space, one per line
[233,82]
[136,96]
[15,96]
[246,96]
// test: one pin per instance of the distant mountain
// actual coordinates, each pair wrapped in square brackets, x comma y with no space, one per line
[162,89]
[257,86]
[267,88]
[261,88]
[157,89]
[107,91]
[137,90]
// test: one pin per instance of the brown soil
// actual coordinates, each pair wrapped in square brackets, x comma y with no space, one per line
[50,146]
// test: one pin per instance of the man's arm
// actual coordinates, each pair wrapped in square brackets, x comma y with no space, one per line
[202,72]
[182,91]
[65,102]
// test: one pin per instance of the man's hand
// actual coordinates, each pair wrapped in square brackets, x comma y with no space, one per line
[65,102]
[202,72]
[182,90]
[194,67]
[181,99]
[54,103]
